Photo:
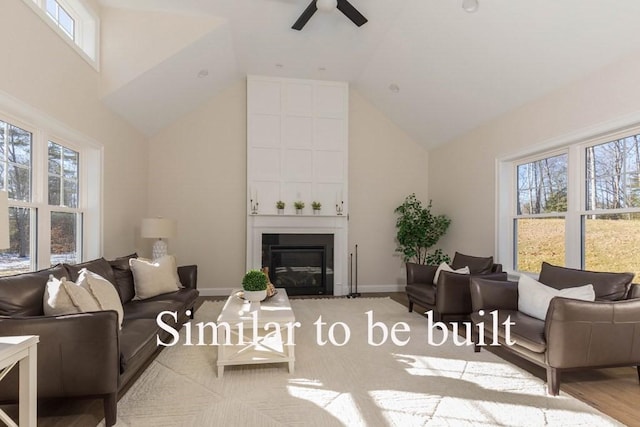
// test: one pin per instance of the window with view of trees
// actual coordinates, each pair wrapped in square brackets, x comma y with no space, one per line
[580,207]
[542,202]
[33,222]
[611,221]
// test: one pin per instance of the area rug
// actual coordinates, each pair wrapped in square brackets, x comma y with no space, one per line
[351,383]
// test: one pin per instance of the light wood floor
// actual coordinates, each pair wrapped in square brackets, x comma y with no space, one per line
[613,391]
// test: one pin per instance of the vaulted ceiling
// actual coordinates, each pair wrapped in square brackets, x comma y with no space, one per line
[453,70]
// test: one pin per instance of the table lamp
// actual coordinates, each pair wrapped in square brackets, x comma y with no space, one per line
[158,228]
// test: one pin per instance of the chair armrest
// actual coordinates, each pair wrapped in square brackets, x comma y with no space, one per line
[78,354]
[592,334]
[453,293]
[419,273]
[188,275]
[487,294]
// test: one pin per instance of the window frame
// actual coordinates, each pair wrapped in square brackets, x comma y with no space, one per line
[86,40]
[575,145]
[90,153]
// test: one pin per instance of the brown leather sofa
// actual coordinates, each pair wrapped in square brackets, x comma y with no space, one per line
[85,354]
[450,297]
[575,334]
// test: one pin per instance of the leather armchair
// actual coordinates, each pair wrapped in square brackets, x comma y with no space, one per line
[574,335]
[450,296]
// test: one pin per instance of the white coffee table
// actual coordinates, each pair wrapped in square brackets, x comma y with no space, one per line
[22,350]
[245,341]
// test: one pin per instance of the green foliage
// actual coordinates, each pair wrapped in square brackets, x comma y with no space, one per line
[280,204]
[418,231]
[557,201]
[254,280]
[316,206]
[298,205]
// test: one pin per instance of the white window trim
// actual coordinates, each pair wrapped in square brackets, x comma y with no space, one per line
[87,28]
[45,128]
[574,144]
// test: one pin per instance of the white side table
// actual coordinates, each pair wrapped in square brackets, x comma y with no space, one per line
[22,350]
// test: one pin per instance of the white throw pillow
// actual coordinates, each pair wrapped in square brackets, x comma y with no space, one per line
[65,297]
[445,267]
[151,278]
[102,291]
[534,297]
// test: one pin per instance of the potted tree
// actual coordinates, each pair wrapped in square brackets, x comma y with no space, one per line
[280,206]
[316,206]
[418,231]
[254,284]
[299,205]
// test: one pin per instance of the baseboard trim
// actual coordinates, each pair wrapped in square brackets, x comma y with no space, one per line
[364,289]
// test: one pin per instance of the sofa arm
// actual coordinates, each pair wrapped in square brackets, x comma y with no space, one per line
[78,354]
[419,273]
[634,291]
[592,334]
[490,295]
[188,275]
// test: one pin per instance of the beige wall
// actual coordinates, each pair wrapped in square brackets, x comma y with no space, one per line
[462,173]
[41,70]
[197,175]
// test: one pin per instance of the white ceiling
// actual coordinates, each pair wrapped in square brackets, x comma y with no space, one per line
[455,70]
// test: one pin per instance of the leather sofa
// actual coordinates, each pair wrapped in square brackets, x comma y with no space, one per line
[86,355]
[450,297]
[575,334]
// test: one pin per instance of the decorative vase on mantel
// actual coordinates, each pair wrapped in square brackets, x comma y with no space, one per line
[299,207]
[316,207]
[280,207]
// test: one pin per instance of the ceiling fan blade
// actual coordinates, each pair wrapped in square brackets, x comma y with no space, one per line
[351,12]
[306,15]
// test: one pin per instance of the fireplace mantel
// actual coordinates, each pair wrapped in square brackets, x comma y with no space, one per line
[257,225]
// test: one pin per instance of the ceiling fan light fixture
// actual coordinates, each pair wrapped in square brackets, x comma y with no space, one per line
[470,5]
[326,5]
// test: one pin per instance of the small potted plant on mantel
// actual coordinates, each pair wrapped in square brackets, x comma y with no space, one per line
[280,206]
[316,207]
[254,284]
[299,205]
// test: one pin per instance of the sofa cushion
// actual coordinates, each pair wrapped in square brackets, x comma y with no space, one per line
[135,335]
[99,266]
[534,297]
[607,286]
[63,296]
[152,278]
[23,294]
[445,267]
[526,332]
[151,307]
[124,277]
[477,265]
[102,291]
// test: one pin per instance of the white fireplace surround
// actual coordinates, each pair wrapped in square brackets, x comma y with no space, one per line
[301,224]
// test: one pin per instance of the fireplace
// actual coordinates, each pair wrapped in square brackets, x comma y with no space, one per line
[300,263]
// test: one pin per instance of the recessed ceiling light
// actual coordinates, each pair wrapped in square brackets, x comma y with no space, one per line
[394,88]
[203,73]
[322,69]
[279,65]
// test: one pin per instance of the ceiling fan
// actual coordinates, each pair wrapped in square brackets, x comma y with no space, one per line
[327,5]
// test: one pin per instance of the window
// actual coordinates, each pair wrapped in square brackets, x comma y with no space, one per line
[541,204]
[61,17]
[75,22]
[611,221]
[46,227]
[578,207]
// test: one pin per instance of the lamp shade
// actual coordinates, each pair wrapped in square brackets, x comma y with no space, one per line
[4,220]
[158,228]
